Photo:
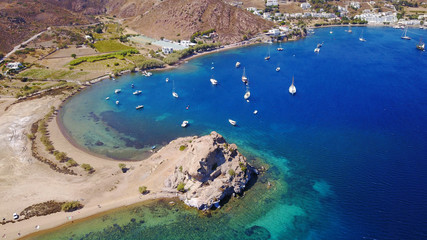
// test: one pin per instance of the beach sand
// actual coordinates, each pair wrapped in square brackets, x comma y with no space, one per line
[26,181]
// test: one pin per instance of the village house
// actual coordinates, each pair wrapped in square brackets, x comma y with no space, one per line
[14,65]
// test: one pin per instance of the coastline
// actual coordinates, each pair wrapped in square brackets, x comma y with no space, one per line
[124,185]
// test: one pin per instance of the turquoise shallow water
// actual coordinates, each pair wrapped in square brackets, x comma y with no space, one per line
[346,154]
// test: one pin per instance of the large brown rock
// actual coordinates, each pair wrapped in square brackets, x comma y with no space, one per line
[211,170]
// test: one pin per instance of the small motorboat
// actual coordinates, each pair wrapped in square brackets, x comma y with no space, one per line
[317,50]
[167,79]
[139,107]
[267,58]
[117,91]
[117,102]
[277,69]
[255,112]
[107,98]
[184,124]
[137,92]
[132,86]
[113,79]
[247,95]
[232,122]
[212,68]
[214,81]
[237,64]
[175,95]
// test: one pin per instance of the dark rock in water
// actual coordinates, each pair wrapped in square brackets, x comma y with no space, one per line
[257,232]
[99,143]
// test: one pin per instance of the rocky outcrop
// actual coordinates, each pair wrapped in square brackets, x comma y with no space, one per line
[208,171]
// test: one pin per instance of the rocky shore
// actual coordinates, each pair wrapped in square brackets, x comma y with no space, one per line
[208,171]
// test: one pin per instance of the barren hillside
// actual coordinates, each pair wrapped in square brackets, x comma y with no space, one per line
[19,20]
[179,19]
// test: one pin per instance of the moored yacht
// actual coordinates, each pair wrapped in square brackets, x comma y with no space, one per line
[316,50]
[277,69]
[292,88]
[237,64]
[139,107]
[214,81]
[184,124]
[244,78]
[232,122]
[117,91]
[421,45]
[137,92]
[404,35]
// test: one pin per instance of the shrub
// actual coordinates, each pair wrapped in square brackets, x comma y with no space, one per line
[87,167]
[143,190]
[116,64]
[71,206]
[243,166]
[231,172]
[214,166]
[61,156]
[181,187]
[73,55]
[71,163]
[182,148]
[180,168]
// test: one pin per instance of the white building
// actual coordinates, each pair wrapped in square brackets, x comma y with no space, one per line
[14,65]
[266,15]
[355,5]
[167,50]
[272,3]
[273,32]
[305,6]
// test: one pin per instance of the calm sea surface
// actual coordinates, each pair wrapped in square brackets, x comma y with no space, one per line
[347,155]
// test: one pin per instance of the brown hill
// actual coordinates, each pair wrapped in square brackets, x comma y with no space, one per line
[19,20]
[179,19]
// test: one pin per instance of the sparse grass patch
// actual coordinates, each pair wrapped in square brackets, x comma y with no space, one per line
[39,73]
[110,46]
[143,190]
[182,148]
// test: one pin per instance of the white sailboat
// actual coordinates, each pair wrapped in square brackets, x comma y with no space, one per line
[404,34]
[237,64]
[349,29]
[421,45]
[167,79]
[292,88]
[117,91]
[232,122]
[213,80]
[174,94]
[255,112]
[277,69]
[331,31]
[117,102]
[317,50]
[280,47]
[268,57]
[361,37]
[139,107]
[244,78]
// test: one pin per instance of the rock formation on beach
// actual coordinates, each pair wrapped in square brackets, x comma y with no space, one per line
[208,171]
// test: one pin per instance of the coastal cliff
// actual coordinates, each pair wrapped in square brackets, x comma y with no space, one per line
[208,170]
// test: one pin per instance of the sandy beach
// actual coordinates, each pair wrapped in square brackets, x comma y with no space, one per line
[26,181]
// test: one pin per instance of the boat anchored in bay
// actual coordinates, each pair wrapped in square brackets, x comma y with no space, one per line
[292,88]
[421,45]
[232,122]
[244,78]
[404,34]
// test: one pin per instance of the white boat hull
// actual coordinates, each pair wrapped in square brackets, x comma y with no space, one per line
[214,82]
[175,95]
[292,90]
[232,122]
[247,95]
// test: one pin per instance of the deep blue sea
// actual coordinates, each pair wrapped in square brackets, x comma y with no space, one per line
[346,155]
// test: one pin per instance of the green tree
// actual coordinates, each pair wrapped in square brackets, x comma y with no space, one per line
[73,55]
